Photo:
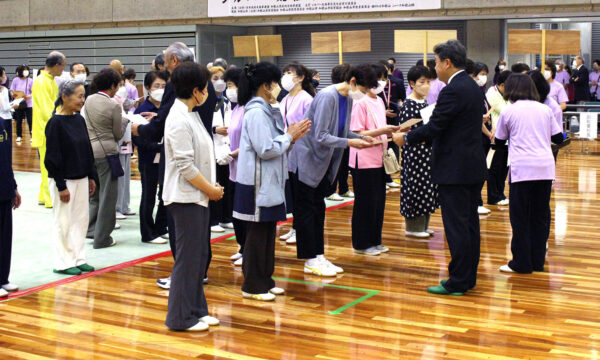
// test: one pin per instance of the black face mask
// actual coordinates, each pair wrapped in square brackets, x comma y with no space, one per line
[315,83]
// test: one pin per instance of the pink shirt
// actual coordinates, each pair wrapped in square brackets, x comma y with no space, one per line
[556,111]
[293,108]
[363,112]
[435,87]
[235,133]
[557,92]
[528,125]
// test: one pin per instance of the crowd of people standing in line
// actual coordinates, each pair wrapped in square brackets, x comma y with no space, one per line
[222,147]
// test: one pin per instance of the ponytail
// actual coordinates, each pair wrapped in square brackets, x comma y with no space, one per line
[253,77]
[245,92]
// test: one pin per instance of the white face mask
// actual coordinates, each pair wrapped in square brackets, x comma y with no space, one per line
[220,85]
[26,73]
[356,94]
[574,64]
[482,80]
[557,67]
[547,74]
[157,94]
[232,95]
[287,82]
[80,77]
[122,92]
[501,67]
[380,86]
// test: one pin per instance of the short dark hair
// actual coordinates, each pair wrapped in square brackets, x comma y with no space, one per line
[387,65]
[520,87]
[597,62]
[233,75]
[393,60]
[189,76]
[479,67]
[55,58]
[552,65]
[431,67]
[106,79]
[503,76]
[87,70]
[541,84]
[2,71]
[301,70]
[159,59]
[129,74]
[380,70]
[416,72]
[520,68]
[454,51]
[364,75]
[254,77]
[22,68]
[72,67]
[151,77]
[340,73]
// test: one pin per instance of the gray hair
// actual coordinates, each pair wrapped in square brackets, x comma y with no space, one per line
[220,62]
[55,58]
[66,88]
[181,51]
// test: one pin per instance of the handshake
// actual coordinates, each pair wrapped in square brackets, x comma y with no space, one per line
[393,132]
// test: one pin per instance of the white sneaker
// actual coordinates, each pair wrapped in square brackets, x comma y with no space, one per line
[288,235]
[217,229]
[430,232]
[370,251]
[382,248]
[337,269]
[335,197]
[19,139]
[158,240]
[226,225]
[393,185]
[387,187]
[200,326]
[209,320]
[165,236]
[319,269]
[260,297]
[235,256]
[348,194]
[117,226]
[504,202]
[277,291]
[164,283]
[291,240]
[130,212]
[10,287]
[420,235]
[482,210]
[239,262]
[3,293]
[506,268]
[121,216]
[205,281]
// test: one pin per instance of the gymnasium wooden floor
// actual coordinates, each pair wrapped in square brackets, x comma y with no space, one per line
[377,310]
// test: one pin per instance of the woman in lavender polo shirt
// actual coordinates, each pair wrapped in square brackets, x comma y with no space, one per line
[530,126]
[23,83]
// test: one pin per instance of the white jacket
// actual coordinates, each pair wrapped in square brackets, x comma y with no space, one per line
[222,150]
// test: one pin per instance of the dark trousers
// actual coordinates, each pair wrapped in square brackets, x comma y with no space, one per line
[497,176]
[19,116]
[6,225]
[369,206]
[8,128]
[150,228]
[461,225]
[259,257]
[309,212]
[486,150]
[239,226]
[530,220]
[187,303]
[341,181]
[221,211]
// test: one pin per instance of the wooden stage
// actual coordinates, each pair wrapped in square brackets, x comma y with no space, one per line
[377,310]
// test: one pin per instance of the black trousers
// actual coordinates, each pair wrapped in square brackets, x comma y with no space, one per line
[149,227]
[309,212]
[341,181]
[239,226]
[497,176]
[19,116]
[461,225]
[486,150]
[530,220]
[221,211]
[6,229]
[187,303]
[259,257]
[369,206]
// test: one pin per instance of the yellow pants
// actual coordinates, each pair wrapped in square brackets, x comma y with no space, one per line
[44,195]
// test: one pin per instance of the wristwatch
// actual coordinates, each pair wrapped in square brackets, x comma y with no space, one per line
[405,139]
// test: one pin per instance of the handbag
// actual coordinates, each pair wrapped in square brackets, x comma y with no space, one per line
[116,170]
[390,161]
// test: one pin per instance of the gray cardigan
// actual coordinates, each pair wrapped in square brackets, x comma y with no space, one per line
[321,148]
[105,123]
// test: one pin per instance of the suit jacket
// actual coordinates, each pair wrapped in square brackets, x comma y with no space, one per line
[581,82]
[455,131]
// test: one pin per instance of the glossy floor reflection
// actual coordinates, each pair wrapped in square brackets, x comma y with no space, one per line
[550,315]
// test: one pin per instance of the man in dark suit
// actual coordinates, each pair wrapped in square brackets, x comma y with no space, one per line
[458,164]
[581,81]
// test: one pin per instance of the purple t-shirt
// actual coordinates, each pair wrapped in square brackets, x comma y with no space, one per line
[24,85]
[562,77]
[556,111]
[528,125]
[435,87]
[235,134]
[594,76]
[292,111]
[558,93]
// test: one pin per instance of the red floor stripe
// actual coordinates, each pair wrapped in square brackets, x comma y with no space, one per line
[127,264]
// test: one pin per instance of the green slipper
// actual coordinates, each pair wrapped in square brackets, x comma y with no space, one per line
[443,282]
[69,271]
[85,268]
[440,290]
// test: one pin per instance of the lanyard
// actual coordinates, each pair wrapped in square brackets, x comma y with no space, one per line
[389,95]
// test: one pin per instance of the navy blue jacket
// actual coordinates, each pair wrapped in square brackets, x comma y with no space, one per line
[8,185]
